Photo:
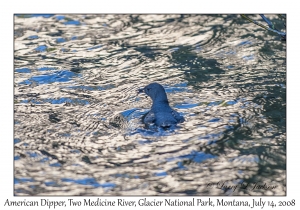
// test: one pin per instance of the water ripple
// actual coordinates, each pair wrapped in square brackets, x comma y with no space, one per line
[78,121]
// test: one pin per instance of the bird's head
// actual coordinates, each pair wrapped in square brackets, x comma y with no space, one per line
[155,91]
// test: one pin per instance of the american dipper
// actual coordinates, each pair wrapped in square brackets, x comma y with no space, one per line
[161,114]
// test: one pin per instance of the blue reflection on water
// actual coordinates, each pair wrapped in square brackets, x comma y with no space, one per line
[174,49]
[249,57]
[231,102]
[128,112]
[64,100]
[60,40]
[59,76]
[35,15]
[46,159]
[75,151]
[72,22]
[231,52]
[33,154]
[46,68]
[198,49]
[195,156]
[16,141]
[161,173]
[76,164]
[55,165]
[95,47]
[33,37]
[234,115]
[20,180]
[50,183]
[60,17]
[89,181]
[41,48]
[214,120]
[282,85]
[184,84]
[42,15]
[23,70]
[180,165]
[229,127]
[245,43]
[66,134]
[57,101]
[143,142]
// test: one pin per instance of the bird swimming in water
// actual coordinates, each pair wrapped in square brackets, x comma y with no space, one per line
[161,114]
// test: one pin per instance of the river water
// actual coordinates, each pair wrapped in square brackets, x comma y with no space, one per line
[77,115]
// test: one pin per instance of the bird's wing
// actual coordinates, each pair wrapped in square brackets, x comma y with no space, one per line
[177,116]
[150,117]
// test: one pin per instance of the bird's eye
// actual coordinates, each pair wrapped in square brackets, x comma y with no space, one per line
[148,89]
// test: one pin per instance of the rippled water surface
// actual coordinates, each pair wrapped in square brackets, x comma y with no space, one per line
[77,115]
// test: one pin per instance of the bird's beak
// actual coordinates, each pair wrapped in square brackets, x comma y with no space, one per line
[141,90]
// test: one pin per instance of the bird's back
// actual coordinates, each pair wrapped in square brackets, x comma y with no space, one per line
[164,119]
[165,116]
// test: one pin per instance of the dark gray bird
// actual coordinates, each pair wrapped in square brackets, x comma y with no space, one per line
[161,114]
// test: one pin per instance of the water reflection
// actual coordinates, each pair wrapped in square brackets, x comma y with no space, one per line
[78,119]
